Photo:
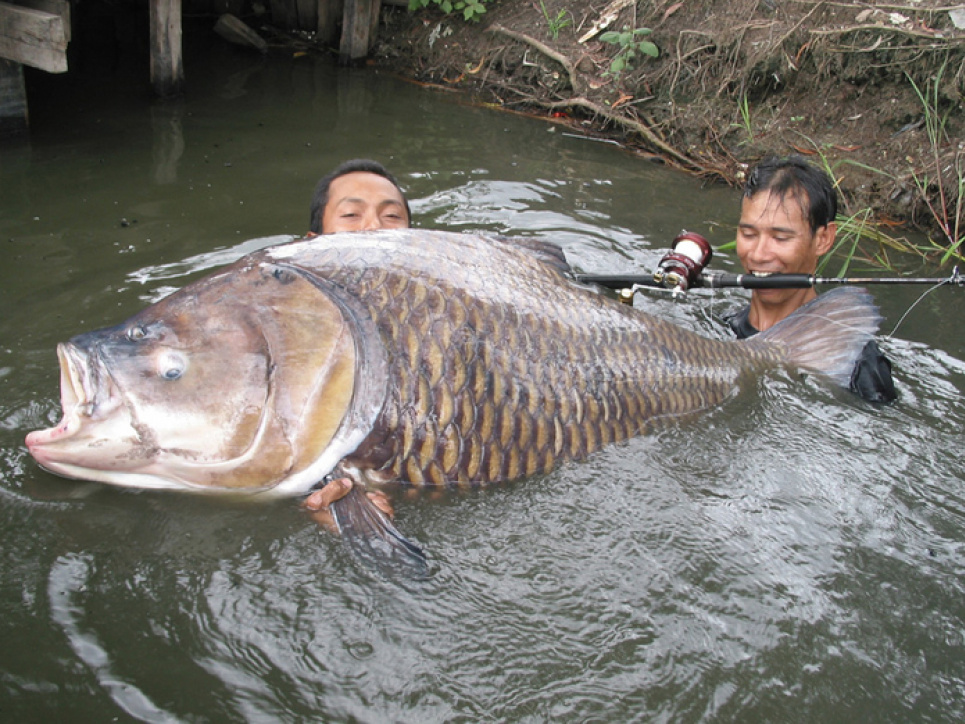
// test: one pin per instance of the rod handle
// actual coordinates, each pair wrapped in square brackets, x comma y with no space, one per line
[750,281]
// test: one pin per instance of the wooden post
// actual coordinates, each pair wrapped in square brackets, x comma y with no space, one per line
[13,98]
[284,14]
[358,22]
[167,70]
[329,17]
[307,13]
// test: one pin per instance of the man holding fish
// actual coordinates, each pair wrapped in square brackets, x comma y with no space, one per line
[359,195]
[406,358]
[787,223]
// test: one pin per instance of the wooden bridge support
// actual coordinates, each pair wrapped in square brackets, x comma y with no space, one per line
[167,69]
[360,20]
[34,33]
[13,98]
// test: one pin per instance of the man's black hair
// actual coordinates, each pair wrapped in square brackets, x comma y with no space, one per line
[795,177]
[356,165]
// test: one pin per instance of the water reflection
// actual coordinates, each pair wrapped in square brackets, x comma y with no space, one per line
[168,141]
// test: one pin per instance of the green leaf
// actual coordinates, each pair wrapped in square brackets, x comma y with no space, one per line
[610,37]
[649,48]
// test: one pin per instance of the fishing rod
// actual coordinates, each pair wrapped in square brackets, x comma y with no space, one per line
[683,268]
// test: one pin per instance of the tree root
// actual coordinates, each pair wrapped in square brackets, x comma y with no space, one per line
[545,50]
[581,101]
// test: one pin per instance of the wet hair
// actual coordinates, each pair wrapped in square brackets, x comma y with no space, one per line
[356,165]
[796,178]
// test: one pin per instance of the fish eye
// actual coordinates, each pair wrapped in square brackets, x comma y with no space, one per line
[136,333]
[172,366]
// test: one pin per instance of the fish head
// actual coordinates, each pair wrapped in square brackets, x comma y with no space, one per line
[238,382]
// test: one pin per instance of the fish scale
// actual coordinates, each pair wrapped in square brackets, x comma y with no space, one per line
[542,373]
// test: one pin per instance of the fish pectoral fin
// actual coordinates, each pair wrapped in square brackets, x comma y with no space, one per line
[373,538]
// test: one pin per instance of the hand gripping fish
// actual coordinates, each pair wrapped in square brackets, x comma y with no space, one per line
[411,357]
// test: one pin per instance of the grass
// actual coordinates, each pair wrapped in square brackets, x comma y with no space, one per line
[556,24]
[950,222]
[944,198]
[744,106]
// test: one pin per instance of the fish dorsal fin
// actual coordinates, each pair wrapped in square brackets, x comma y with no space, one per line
[547,251]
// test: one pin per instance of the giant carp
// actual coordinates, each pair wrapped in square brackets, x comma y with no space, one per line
[416,357]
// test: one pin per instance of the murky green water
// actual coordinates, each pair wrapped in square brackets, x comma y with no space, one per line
[796,555]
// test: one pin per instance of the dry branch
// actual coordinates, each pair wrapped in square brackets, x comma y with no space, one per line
[579,101]
[544,49]
[628,123]
[951,42]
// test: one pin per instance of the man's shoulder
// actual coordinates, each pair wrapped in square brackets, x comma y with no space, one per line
[739,321]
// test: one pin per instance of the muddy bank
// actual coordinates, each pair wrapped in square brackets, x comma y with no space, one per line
[732,82]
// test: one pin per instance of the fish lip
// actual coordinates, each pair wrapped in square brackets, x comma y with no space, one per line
[76,398]
[74,380]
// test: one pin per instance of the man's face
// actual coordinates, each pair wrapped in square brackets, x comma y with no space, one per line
[361,201]
[774,236]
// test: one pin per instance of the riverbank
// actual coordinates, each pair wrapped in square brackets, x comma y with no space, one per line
[858,89]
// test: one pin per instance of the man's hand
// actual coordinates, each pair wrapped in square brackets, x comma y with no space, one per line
[319,501]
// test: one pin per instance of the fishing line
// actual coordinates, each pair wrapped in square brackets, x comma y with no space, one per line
[916,302]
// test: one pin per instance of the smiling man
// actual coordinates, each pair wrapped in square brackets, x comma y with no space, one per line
[359,195]
[787,223]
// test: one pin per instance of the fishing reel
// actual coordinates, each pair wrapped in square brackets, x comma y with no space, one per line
[680,269]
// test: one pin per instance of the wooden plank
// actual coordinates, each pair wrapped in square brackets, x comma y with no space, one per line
[167,68]
[33,37]
[358,21]
[235,31]
[54,7]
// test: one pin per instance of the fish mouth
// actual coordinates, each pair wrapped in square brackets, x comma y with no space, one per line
[77,400]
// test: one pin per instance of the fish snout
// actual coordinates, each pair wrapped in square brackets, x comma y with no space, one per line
[79,397]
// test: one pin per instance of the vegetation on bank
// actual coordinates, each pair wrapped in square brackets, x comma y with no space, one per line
[873,93]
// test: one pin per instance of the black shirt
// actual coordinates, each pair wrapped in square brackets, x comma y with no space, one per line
[871,378]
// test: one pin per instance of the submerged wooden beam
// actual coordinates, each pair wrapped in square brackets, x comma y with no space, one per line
[35,37]
[167,69]
[235,31]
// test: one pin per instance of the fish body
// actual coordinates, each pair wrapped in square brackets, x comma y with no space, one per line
[420,357]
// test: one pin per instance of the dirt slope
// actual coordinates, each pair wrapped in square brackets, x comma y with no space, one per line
[734,80]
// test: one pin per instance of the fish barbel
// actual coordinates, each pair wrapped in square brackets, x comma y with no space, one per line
[419,357]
